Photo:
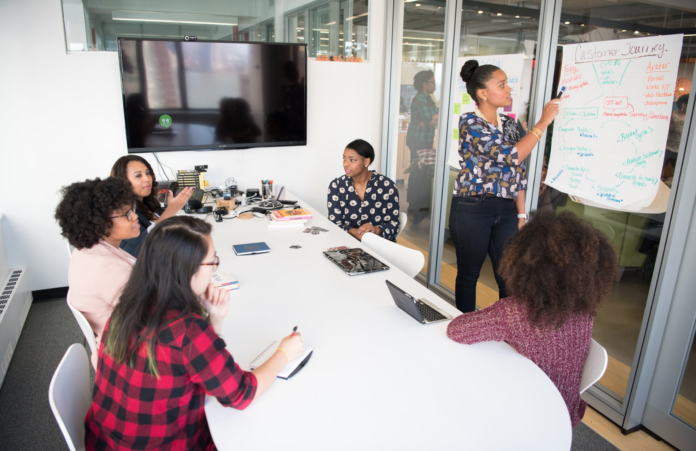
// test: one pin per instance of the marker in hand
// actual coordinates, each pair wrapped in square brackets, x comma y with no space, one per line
[294,329]
[560,93]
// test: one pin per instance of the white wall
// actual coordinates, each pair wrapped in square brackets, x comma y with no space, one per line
[62,121]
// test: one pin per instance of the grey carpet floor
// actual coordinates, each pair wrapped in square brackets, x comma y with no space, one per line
[27,420]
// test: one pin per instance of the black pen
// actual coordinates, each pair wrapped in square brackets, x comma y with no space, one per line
[294,329]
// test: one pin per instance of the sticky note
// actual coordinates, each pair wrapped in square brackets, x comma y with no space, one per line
[457,108]
[455,134]
[466,99]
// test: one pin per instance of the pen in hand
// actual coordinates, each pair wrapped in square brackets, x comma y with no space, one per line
[294,329]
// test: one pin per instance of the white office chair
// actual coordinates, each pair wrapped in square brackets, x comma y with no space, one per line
[408,260]
[84,326]
[403,220]
[595,366]
[71,248]
[69,396]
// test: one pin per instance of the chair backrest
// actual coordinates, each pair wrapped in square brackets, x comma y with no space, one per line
[69,396]
[595,366]
[84,326]
[403,220]
[71,248]
[408,260]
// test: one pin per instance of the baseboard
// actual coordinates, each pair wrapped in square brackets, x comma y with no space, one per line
[50,295]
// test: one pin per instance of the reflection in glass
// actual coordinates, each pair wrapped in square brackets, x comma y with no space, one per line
[421,72]
[95,25]
[504,36]
[635,236]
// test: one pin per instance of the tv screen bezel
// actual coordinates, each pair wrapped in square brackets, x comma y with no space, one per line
[212,147]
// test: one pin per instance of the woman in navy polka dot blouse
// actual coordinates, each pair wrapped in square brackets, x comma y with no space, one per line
[363,201]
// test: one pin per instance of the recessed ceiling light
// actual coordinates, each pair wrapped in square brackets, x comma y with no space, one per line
[417,4]
[636,32]
[480,12]
[517,17]
[623,31]
[499,14]
[582,24]
[567,23]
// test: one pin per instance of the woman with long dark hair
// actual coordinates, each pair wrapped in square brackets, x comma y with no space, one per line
[558,269]
[487,205]
[162,353]
[138,172]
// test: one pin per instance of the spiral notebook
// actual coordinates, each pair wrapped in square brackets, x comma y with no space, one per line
[291,368]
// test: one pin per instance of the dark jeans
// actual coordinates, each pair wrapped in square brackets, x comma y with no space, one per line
[479,225]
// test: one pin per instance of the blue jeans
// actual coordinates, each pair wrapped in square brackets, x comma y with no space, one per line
[479,225]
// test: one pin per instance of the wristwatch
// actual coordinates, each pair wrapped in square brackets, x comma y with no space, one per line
[524,216]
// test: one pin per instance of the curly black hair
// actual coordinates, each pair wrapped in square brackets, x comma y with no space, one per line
[83,213]
[557,265]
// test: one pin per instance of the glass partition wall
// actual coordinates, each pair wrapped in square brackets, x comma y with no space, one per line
[508,34]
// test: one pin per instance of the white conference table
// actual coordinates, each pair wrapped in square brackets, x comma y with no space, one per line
[378,379]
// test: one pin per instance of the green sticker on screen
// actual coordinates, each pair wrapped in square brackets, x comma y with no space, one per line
[466,99]
[457,108]
[165,121]
[455,134]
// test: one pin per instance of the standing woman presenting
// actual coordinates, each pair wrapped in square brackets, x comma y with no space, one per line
[488,201]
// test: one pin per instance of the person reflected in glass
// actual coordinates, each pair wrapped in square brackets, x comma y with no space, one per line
[162,352]
[362,201]
[488,204]
[676,127]
[95,216]
[420,138]
[558,269]
[236,124]
[137,171]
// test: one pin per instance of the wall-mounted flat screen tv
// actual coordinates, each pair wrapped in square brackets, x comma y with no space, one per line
[212,95]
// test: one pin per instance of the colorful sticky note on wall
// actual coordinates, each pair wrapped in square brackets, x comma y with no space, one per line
[457,108]
[455,134]
[466,99]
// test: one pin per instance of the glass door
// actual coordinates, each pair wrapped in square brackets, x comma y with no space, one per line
[506,36]
[416,81]
[636,235]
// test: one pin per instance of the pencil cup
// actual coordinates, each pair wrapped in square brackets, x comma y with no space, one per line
[267,192]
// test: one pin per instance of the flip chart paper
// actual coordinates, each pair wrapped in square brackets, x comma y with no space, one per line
[512,65]
[610,133]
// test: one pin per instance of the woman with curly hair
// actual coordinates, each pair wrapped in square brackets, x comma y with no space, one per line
[95,216]
[137,171]
[557,270]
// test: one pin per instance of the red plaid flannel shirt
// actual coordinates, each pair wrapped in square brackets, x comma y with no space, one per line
[133,409]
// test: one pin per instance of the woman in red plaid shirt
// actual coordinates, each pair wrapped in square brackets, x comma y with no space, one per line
[161,352]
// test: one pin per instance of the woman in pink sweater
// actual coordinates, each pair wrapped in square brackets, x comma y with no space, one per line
[95,216]
[557,270]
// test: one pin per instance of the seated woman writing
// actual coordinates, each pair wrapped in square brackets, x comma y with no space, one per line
[162,353]
[138,172]
[557,270]
[95,216]
[363,201]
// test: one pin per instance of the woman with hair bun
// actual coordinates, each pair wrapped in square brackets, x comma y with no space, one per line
[488,201]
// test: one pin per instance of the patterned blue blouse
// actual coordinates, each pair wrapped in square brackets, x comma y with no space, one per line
[380,207]
[489,161]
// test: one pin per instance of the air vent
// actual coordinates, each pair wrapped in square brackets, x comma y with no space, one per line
[9,288]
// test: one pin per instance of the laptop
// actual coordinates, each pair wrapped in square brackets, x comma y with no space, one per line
[355,261]
[420,309]
[251,248]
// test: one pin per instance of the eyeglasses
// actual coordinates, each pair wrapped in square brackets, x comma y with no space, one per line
[129,214]
[215,263]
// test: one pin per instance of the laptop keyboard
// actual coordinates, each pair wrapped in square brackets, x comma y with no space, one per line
[429,313]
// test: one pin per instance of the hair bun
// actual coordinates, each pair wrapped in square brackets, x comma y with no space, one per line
[468,70]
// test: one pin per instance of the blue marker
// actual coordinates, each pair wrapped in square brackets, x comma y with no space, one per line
[560,93]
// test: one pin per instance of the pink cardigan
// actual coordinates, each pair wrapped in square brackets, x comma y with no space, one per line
[560,353]
[96,277]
